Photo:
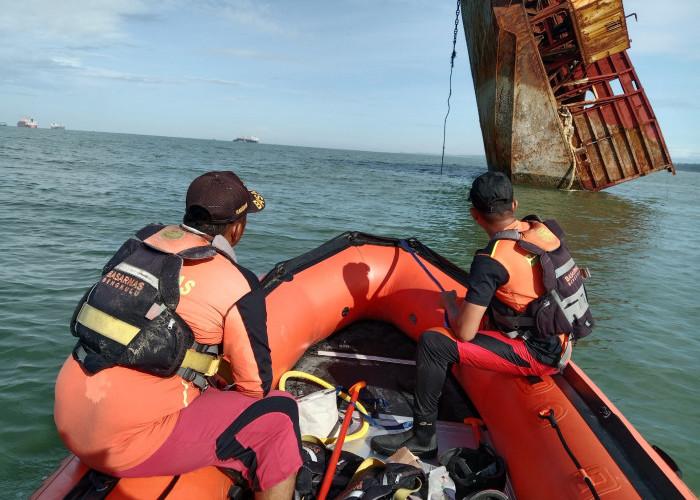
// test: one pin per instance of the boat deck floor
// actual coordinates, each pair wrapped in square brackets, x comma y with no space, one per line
[389,374]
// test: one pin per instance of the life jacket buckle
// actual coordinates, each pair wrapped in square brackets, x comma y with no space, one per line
[517,334]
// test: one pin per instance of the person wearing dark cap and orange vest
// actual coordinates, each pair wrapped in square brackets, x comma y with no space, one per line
[136,398]
[525,304]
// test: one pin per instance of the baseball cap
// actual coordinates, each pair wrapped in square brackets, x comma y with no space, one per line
[491,192]
[224,196]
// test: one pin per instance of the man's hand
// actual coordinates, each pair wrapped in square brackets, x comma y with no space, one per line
[464,319]
[447,298]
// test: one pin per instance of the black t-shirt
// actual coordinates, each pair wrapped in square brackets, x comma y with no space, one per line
[486,275]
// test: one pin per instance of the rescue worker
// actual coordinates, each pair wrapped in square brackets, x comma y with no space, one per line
[134,399]
[504,280]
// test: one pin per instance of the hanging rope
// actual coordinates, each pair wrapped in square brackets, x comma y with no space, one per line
[452,65]
[567,121]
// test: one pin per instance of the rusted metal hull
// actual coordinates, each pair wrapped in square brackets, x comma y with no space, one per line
[560,104]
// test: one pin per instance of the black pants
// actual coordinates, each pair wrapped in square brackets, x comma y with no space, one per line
[436,354]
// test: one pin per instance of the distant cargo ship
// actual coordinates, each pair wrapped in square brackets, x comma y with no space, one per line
[27,122]
[58,126]
[247,138]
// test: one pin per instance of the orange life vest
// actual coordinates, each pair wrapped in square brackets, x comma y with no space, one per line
[544,295]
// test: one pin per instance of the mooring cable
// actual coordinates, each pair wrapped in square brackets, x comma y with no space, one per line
[452,65]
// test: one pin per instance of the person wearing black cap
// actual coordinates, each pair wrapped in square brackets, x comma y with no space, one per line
[140,396]
[493,328]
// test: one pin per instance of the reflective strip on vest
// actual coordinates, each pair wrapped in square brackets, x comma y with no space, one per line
[138,273]
[106,325]
[122,332]
[564,268]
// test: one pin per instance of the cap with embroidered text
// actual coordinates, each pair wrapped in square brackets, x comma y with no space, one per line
[224,196]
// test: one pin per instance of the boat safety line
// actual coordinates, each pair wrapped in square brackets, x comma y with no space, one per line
[549,416]
[413,254]
[366,357]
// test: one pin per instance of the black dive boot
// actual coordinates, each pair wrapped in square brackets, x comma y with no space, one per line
[421,440]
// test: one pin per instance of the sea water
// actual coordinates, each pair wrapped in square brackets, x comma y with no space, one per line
[69,199]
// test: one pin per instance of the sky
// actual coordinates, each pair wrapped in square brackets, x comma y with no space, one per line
[355,74]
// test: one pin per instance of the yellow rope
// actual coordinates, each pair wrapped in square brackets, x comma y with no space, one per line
[328,440]
[568,125]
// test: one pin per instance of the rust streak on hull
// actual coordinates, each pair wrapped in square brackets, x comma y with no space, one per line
[560,104]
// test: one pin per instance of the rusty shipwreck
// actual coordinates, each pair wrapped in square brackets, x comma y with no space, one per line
[560,104]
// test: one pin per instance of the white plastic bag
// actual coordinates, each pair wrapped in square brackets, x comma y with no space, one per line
[440,485]
[318,413]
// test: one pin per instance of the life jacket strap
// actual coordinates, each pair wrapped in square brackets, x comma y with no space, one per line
[80,353]
[567,347]
[204,363]
[519,326]
[201,361]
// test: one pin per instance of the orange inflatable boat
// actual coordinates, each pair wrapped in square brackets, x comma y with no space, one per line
[561,438]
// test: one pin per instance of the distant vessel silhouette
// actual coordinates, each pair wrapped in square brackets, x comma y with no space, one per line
[27,122]
[247,138]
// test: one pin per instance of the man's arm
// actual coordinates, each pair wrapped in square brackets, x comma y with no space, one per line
[485,276]
[464,320]
[246,342]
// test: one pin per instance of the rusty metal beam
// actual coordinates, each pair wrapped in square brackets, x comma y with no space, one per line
[548,118]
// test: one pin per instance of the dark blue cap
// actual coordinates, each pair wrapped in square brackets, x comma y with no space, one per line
[491,192]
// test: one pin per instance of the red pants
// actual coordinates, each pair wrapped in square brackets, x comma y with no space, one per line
[493,351]
[258,437]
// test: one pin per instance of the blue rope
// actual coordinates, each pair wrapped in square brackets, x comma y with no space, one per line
[375,423]
[371,421]
[402,426]
[413,254]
